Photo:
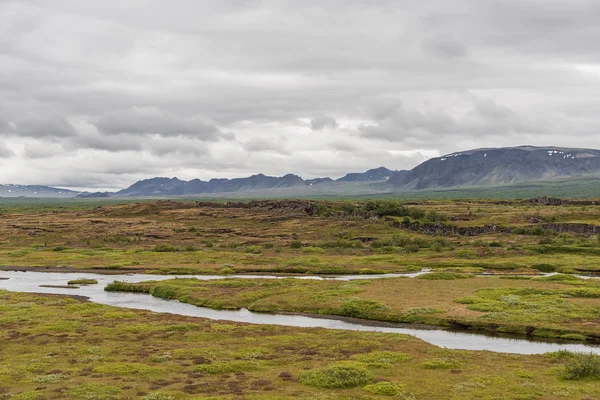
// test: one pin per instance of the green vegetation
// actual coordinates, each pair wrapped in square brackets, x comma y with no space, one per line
[338,376]
[446,276]
[332,237]
[83,282]
[386,389]
[582,366]
[57,347]
[557,306]
[64,348]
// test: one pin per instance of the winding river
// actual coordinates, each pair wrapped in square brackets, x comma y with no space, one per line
[30,282]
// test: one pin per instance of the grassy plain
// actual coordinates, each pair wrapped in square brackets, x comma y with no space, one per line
[54,347]
[281,237]
[57,347]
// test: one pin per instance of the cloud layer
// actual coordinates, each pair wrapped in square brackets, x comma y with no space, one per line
[101,94]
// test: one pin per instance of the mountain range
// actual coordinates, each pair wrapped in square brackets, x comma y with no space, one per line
[479,168]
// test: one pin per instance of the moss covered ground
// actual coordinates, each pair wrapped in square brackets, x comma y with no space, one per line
[54,347]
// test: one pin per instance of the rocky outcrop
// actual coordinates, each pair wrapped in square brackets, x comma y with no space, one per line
[304,206]
[553,201]
[578,229]
[439,228]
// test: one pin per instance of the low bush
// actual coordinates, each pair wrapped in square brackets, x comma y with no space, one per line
[385,389]
[222,367]
[83,282]
[164,248]
[411,248]
[313,250]
[253,250]
[441,363]
[377,357]
[582,366]
[359,308]
[467,254]
[560,278]
[337,376]
[542,267]
[445,276]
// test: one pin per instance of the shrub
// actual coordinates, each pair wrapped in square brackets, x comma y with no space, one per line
[468,254]
[50,378]
[445,276]
[222,367]
[582,366]
[437,247]
[312,250]
[82,282]
[295,244]
[253,250]
[340,244]
[560,278]
[385,389]
[165,292]
[433,216]
[535,231]
[376,357]
[544,267]
[441,363]
[158,396]
[337,376]
[411,248]
[359,308]
[226,270]
[164,248]
[559,355]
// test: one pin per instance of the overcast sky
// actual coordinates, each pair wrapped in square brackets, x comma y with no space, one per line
[98,94]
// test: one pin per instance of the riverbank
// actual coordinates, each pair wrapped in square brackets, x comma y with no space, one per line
[556,307]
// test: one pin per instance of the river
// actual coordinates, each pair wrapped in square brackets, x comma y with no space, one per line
[30,282]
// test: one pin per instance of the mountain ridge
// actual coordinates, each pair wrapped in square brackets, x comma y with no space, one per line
[494,166]
[470,168]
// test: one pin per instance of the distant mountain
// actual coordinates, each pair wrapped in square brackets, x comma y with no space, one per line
[480,167]
[94,195]
[177,187]
[316,181]
[497,166]
[377,174]
[35,191]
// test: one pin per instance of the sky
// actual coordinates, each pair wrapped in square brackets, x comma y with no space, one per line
[99,94]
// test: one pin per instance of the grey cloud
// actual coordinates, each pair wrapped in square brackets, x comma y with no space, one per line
[151,120]
[484,118]
[175,146]
[343,145]
[445,47]
[40,149]
[321,121]
[262,144]
[96,81]
[44,127]
[5,151]
[111,143]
